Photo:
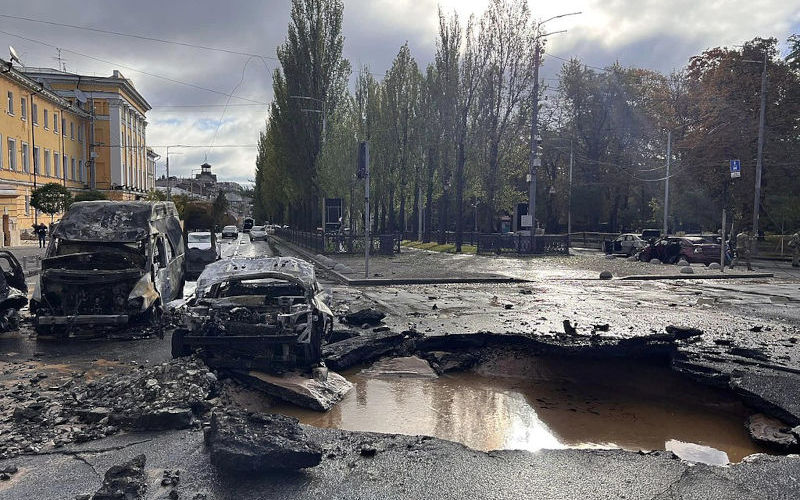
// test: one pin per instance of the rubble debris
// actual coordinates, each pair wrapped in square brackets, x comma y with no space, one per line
[771,432]
[123,482]
[299,389]
[714,266]
[687,270]
[339,335]
[443,361]
[407,366]
[655,261]
[569,329]
[164,396]
[683,332]
[369,316]
[254,442]
[368,347]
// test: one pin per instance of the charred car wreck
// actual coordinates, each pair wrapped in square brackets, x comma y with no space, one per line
[109,264]
[263,313]
[13,291]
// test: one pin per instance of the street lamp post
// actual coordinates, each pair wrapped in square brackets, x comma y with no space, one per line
[535,161]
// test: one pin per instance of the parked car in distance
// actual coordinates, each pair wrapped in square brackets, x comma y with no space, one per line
[258,233]
[230,232]
[650,234]
[671,249]
[247,225]
[627,244]
[201,250]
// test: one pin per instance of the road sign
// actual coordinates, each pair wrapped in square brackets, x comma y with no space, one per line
[736,169]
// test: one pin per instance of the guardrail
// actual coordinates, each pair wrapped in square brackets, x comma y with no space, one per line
[331,243]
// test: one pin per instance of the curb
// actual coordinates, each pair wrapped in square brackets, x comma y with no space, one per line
[653,277]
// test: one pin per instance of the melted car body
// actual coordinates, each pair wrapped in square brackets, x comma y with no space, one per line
[109,264]
[264,313]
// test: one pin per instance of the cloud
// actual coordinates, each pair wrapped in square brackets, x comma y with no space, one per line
[648,33]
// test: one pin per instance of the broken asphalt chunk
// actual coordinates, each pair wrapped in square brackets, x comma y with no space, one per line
[123,482]
[254,442]
[365,316]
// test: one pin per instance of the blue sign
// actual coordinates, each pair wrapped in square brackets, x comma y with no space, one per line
[736,168]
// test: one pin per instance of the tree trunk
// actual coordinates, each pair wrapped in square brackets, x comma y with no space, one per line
[460,161]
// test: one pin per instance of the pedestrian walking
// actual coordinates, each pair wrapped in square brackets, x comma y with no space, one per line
[744,247]
[794,244]
[41,232]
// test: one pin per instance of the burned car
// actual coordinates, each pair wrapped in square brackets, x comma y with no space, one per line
[672,249]
[109,264]
[263,313]
[13,291]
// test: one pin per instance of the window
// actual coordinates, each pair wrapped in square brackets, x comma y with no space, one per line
[64,164]
[23,108]
[34,113]
[56,167]
[47,162]
[46,119]
[12,154]
[64,127]
[72,130]
[27,205]
[36,161]
[55,122]
[80,170]
[26,164]
[80,132]
[72,168]
[10,109]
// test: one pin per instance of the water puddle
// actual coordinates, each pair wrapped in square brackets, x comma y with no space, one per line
[535,403]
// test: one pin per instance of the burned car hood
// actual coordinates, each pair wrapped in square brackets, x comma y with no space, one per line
[285,268]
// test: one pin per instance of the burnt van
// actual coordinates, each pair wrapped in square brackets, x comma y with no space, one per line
[109,264]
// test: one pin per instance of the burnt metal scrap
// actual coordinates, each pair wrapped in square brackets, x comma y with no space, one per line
[13,291]
[263,313]
[109,264]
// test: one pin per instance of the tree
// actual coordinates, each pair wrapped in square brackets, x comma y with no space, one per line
[51,198]
[156,195]
[92,195]
[220,207]
[307,87]
[180,201]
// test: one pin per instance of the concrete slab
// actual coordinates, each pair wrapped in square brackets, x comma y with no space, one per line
[299,389]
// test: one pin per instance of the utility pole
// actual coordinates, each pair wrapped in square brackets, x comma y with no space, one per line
[666,181]
[419,213]
[363,172]
[569,196]
[757,197]
[534,159]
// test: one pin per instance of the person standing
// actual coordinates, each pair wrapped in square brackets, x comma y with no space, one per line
[41,232]
[744,247]
[794,244]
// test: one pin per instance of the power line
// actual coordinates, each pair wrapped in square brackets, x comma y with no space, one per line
[134,69]
[141,37]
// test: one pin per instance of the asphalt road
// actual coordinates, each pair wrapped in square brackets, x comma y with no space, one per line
[413,467]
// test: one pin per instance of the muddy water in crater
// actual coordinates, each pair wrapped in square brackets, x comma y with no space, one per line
[534,403]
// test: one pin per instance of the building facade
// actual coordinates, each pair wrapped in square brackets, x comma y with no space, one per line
[43,139]
[120,164]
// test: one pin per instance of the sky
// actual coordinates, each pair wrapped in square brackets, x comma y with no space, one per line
[188,86]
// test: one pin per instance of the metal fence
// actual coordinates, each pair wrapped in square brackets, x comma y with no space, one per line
[557,244]
[330,243]
[468,238]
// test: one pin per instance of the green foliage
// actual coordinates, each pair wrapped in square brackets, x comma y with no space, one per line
[51,198]
[156,195]
[180,201]
[92,195]
[220,208]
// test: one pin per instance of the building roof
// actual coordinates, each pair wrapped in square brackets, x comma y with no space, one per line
[21,78]
[116,79]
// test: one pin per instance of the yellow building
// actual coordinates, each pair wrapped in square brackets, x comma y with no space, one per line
[43,138]
[117,141]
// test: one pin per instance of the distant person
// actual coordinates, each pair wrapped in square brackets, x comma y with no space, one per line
[41,232]
[794,244]
[744,247]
